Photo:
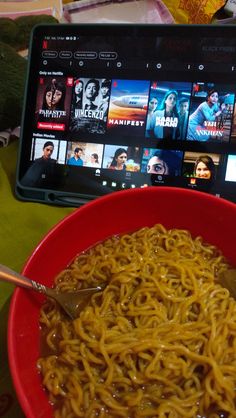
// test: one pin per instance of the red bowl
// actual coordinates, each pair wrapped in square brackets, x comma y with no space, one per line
[202,214]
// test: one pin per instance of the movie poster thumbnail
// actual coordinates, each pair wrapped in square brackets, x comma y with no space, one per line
[53,103]
[211,112]
[128,107]
[85,154]
[230,174]
[201,165]
[233,128]
[168,110]
[48,149]
[162,162]
[89,108]
[123,158]
[45,155]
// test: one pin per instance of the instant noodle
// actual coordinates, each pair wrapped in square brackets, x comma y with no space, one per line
[159,341]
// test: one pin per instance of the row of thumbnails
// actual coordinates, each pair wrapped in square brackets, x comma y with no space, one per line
[178,110]
[135,159]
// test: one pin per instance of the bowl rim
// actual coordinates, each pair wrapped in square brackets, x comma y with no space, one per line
[113,196]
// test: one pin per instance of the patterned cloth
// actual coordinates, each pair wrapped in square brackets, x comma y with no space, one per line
[182,11]
[193,11]
[6,136]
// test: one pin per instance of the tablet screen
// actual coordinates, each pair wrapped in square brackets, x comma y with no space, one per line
[112,107]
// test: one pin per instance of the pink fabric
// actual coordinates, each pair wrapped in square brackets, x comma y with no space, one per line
[157,12]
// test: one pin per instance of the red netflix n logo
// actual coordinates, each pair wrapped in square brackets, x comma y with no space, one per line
[45,44]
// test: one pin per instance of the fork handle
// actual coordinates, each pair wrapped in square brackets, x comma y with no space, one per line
[11,276]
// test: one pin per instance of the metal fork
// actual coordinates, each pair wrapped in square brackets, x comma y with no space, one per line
[71,302]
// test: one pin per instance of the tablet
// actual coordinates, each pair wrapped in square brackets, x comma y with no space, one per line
[112,107]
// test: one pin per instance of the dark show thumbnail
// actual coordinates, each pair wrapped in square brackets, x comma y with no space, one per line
[162,162]
[168,109]
[90,103]
[45,155]
[211,112]
[53,103]
[128,107]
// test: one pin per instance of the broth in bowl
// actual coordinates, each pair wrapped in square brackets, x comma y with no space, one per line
[117,215]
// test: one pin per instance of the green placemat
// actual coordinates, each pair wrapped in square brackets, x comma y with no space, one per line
[22,226]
